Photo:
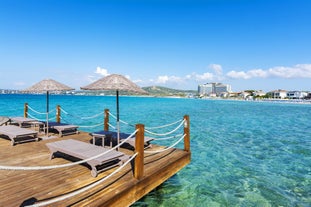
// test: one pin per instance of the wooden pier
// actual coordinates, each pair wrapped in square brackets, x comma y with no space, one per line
[22,188]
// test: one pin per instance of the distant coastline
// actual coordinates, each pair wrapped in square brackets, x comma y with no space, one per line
[158,91]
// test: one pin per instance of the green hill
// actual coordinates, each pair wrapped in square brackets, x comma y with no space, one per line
[163,91]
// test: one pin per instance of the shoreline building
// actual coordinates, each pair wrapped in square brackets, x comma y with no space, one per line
[213,89]
[297,94]
[277,94]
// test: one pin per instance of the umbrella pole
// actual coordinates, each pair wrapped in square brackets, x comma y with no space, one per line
[47,113]
[118,119]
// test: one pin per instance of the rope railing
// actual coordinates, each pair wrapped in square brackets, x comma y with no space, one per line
[157,127]
[120,120]
[52,118]
[126,123]
[112,126]
[167,133]
[84,189]
[66,120]
[166,138]
[83,118]
[91,126]
[36,118]
[24,168]
[167,148]
[37,112]
[33,117]
[113,116]
[74,116]
[167,125]
[94,116]
[65,112]
[40,119]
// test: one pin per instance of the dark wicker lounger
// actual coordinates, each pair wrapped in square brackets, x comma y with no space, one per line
[84,150]
[15,132]
[112,138]
[64,129]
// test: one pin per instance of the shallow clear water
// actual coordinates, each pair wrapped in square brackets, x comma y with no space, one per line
[243,153]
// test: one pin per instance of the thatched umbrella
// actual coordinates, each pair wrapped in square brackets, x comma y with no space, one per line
[118,83]
[48,85]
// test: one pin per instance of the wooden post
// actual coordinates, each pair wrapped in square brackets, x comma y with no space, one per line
[58,114]
[106,120]
[26,110]
[139,148]
[187,133]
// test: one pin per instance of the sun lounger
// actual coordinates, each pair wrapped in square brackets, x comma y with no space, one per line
[15,132]
[64,129]
[113,136]
[21,121]
[84,150]
[4,120]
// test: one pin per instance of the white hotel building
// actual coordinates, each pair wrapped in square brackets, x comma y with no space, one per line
[212,89]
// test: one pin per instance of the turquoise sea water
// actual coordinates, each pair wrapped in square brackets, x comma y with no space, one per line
[243,153]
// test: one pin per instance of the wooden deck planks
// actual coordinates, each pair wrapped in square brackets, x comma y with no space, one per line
[121,190]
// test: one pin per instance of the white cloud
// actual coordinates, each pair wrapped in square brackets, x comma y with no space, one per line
[297,71]
[216,68]
[217,74]
[238,75]
[204,77]
[101,71]
[256,73]
[207,76]
[162,79]
[168,79]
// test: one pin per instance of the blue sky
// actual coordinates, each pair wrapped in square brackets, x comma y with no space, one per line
[250,44]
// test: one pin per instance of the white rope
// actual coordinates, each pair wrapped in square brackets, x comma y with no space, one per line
[125,122]
[92,126]
[64,111]
[158,151]
[92,117]
[121,121]
[65,121]
[32,116]
[52,111]
[83,118]
[3,167]
[165,138]
[167,125]
[113,116]
[112,126]
[37,112]
[69,195]
[164,134]
[53,118]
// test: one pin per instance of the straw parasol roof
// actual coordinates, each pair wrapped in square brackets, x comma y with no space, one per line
[114,82]
[118,83]
[48,85]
